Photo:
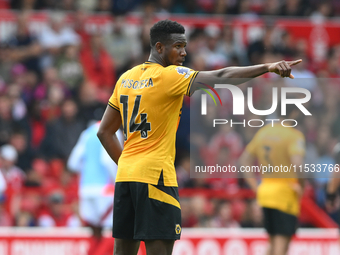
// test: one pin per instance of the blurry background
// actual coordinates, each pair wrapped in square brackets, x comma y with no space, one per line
[59,61]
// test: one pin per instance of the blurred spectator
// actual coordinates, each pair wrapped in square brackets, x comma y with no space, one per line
[34,177]
[18,75]
[19,140]
[198,211]
[271,7]
[24,45]
[104,5]
[97,173]
[259,46]
[55,36]
[24,219]
[5,218]
[226,140]
[80,18]
[324,147]
[7,121]
[232,47]
[3,184]
[57,214]
[14,178]
[98,67]
[286,46]
[70,69]
[186,6]
[50,93]
[37,125]
[201,134]
[221,7]
[50,80]
[27,4]
[311,129]
[224,217]
[51,107]
[120,8]
[252,216]
[188,220]
[331,102]
[122,45]
[244,8]
[86,5]
[62,134]
[13,175]
[194,57]
[293,8]
[28,87]
[90,108]
[65,5]
[333,66]
[19,110]
[6,63]
[324,11]
[183,170]
[165,6]
[214,58]
[68,5]
[147,23]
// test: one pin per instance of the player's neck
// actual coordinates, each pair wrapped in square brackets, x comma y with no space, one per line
[156,58]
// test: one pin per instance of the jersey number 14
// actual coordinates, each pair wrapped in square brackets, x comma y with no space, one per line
[143,126]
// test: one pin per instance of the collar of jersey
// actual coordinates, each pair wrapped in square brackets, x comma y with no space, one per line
[148,62]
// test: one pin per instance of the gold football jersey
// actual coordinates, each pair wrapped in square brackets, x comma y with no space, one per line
[274,146]
[149,98]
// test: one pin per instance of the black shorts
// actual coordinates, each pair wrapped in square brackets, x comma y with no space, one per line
[279,223]
[146,212]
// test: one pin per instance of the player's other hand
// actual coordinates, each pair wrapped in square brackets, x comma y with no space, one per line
[283,68]
[332,203]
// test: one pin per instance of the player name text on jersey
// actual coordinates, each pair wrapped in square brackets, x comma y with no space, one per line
[132,84]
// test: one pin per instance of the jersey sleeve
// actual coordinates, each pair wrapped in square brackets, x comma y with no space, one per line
[252,146]
[178,80]
[297,145]
[113,101]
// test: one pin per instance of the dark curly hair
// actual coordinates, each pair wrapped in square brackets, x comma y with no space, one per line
[161,31]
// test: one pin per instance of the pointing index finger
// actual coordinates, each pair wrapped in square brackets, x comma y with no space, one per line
[295,62]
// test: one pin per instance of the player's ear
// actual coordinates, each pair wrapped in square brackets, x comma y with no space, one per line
[159,47]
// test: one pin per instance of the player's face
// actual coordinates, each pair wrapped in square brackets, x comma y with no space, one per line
[174,53]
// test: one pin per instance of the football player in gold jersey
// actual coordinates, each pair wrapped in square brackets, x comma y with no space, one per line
[277,148]
[333,183]
[147,101]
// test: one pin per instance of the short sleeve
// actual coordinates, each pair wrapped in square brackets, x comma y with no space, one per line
[177,80]
[297,145]
[252,147]
[113,101]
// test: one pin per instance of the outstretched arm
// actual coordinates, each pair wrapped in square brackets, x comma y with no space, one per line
[237,75]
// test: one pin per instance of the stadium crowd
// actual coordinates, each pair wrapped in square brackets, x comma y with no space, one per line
[244,7]
[56,83]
